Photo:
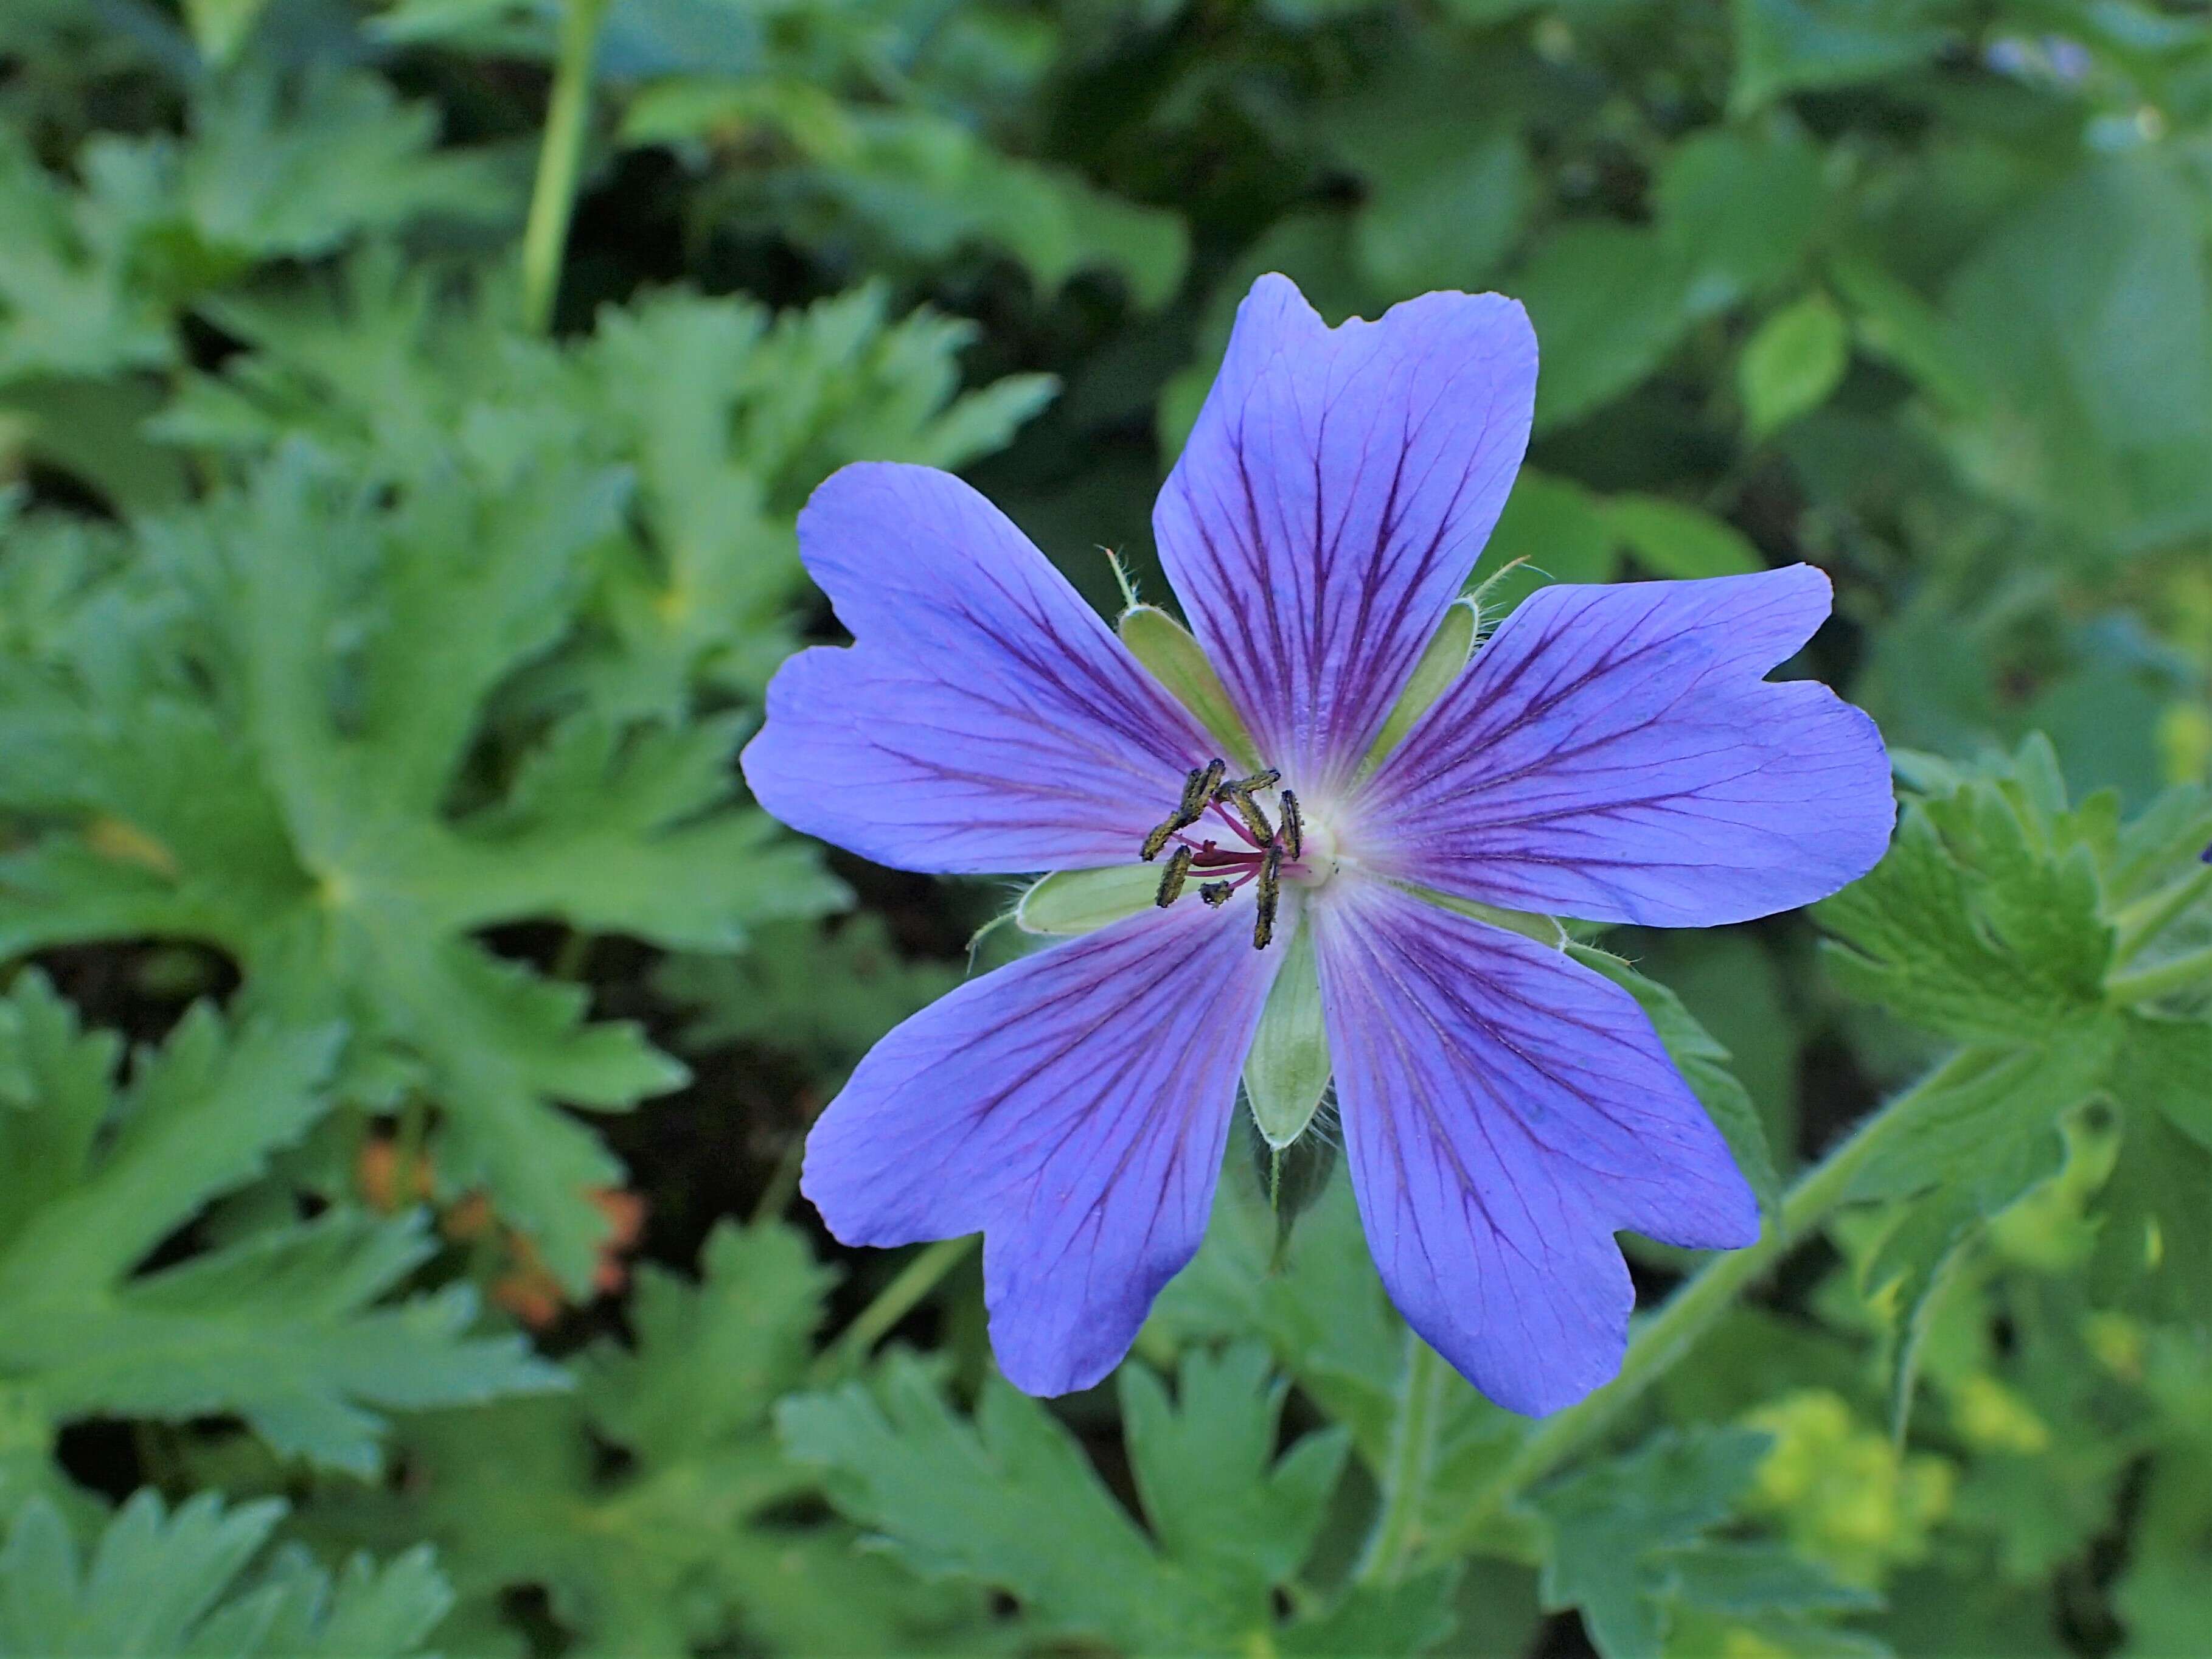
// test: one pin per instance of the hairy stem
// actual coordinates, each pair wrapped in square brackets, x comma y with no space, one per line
[1669,1334]
[553,196]
[892,1304]
[1412,1459]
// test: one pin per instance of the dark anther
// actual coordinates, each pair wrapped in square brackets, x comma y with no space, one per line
[1197,786]
[1238,795]
[1271,891]
[1294,826]
[1171,877]
[1216,893]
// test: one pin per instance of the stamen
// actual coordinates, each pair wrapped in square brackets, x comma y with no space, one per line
[1216,893]
[1197,786]
[1270,891]
[1171,877]
[1294,826]
[1239,795]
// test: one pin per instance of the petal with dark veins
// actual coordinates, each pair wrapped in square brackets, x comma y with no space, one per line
[985,719]
[1504,1111]
[1072,1107]
[1335,491]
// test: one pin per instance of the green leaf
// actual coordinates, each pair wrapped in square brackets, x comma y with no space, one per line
[220,26]
[1630,1544]
[1974,1145]
[1011,1501]
[1444,198]
[1894,323]
[2097,421]
[1610,1527]
[297,169]
[1219,1501]
[1320,1310]
[2153,1254]
[69,302]
[1985,920]
[2162,1066]
[2164,1593]
[1704,1064]
[331,862]
[725,415]
[1557,530]
[1443,210]
[1738,207]
[677,1542]
[1676,540]
[1414,1616]
[1790,368]
[823,996]
[1796,46]
[924,185]
[162,1582]
[285,1325]
[1609,305]
[1729,1575]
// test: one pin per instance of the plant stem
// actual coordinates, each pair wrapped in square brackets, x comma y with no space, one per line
[1670,1333]
[892,1304]
[2145,984]
[1412,1458]
[2150,916]
[553,196]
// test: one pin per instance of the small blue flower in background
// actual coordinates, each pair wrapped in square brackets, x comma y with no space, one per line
[1611,753]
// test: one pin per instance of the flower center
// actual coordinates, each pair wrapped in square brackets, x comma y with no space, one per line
[1220,832]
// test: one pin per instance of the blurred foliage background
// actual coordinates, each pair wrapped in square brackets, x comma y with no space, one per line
[410,1029]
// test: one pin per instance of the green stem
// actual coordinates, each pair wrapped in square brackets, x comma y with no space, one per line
[783,1183]
[553,197]
[1412,1459]
[573,956]
[1668,1334]
[892,1304]
[2141,986]
[2150,916]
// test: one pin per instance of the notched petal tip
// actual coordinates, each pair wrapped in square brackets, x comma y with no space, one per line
[1337,488]
[1507,1111]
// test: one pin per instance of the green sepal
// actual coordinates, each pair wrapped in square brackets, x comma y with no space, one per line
[1545,930]
[1292,1178]
[1287,1071]
[1165,645]
[1083,900]
[1442,660]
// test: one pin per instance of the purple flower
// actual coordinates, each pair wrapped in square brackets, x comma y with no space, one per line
[1612,753]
